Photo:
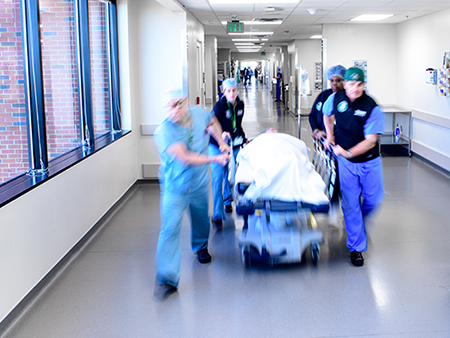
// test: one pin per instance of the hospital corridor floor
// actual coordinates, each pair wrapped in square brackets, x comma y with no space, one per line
[402,291]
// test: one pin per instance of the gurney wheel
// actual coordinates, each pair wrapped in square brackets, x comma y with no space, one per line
[249,255]
[315,252]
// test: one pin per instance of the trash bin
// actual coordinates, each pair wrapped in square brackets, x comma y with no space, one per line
[274,88]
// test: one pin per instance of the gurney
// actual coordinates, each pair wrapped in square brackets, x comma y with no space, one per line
[280,190]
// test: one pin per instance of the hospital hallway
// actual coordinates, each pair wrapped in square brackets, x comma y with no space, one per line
[403,289]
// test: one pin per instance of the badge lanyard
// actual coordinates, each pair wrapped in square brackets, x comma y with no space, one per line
[233,117]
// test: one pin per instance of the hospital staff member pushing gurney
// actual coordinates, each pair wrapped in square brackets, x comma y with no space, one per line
[229,111]
[182,140]
[354,121]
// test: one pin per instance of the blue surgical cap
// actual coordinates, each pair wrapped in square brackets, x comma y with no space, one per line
[337,70]
[173,94]
[229,83]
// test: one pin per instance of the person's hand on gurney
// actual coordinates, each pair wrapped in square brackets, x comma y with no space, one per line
[329,143]
[226,136]
[222,159]
[318,134]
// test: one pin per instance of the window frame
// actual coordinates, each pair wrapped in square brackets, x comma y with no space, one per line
[41,169]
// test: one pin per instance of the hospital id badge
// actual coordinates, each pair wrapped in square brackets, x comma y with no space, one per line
[238,141]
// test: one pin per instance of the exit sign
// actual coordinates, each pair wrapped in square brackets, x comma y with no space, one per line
[235,27]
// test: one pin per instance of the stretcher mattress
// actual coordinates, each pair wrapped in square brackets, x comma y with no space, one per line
[277,166]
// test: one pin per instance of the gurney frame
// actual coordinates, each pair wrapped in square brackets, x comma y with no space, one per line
[279,232]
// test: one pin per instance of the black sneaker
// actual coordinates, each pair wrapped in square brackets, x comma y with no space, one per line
[203,256]
[228,208]
[357,258]
[217,222]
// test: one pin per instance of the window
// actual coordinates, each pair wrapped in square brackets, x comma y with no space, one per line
[13,115]
[59,96]
[98,25]
[60,76]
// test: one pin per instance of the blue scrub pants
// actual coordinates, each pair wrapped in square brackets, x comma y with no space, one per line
[361,187]
[168,252]
[278,91]
[218,174]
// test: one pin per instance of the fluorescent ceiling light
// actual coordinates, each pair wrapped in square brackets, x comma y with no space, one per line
[245,40]
[316,37]
[372,17]
[248,50]
[248,47]
[279,22]
[254,40]
[226,2]
[244,44]
[252,33]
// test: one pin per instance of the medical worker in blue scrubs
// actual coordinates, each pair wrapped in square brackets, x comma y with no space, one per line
[182,140]
[335,75]
[353,122]
[279,78]
[229,111]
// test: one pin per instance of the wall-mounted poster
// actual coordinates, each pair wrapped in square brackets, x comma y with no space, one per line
[318,76]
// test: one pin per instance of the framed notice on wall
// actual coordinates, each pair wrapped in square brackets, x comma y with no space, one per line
[318,76]
[364,65]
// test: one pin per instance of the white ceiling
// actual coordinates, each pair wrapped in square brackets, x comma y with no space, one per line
[298,23]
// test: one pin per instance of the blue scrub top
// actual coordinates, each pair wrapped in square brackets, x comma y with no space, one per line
[174,175]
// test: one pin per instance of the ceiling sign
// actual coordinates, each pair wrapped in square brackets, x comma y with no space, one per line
[235,27]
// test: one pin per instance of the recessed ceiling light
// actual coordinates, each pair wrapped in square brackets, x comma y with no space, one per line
[272,9]
[244,44]
[316,37]
[372,17]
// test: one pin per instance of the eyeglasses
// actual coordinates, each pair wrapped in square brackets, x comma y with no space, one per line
[178,103]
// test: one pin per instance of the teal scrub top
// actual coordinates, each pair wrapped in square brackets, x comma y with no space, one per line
[174,175]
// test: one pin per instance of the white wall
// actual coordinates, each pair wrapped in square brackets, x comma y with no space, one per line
[376,43]
[211,68]
[155,67]
[308,53]
[421,43]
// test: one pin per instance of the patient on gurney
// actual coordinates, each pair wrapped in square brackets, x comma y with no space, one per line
[276,166]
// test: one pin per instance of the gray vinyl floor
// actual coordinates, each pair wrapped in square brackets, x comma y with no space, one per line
[403,290]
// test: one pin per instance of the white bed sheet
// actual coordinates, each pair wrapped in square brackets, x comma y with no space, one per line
[277,166]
